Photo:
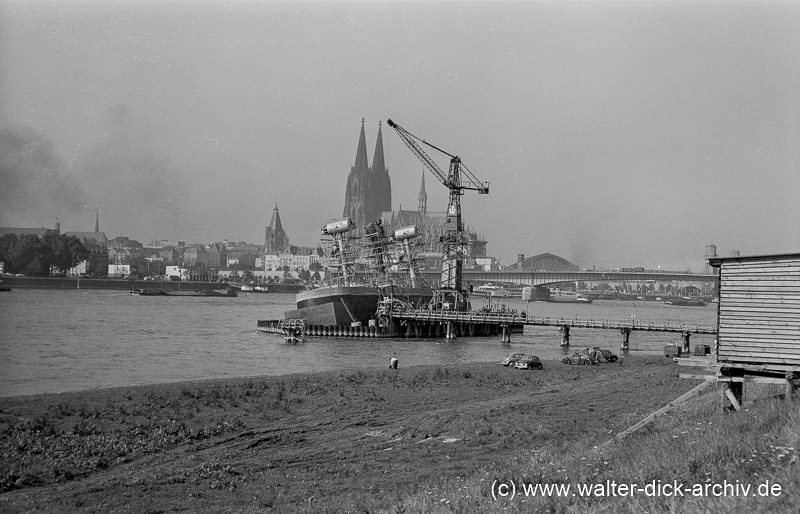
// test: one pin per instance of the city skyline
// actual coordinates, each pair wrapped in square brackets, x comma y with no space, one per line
[626,134]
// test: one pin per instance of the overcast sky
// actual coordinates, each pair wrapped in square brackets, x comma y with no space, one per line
[613,134]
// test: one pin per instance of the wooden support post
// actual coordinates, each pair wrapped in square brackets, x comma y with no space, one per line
[450,330]
[626,337]
[731,389]
[790,387]
[506,335]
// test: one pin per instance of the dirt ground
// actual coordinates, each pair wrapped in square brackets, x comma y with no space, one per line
[341,441]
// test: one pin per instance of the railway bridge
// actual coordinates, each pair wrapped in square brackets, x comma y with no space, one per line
[543,278]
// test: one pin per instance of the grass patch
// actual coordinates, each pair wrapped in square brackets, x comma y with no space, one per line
[754,452]
[416,439]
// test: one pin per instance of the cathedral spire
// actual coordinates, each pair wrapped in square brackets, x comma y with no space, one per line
[97,221]
[378,163]
[423,197]
[361,165]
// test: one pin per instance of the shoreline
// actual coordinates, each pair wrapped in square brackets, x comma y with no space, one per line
[357,439]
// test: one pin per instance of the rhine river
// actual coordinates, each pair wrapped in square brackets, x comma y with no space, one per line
[69,340]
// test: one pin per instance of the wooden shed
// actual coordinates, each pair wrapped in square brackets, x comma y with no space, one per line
[759,310]
[758,338]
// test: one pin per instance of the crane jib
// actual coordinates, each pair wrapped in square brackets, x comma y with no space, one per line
[451,294]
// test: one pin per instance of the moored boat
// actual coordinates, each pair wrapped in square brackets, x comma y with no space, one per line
[490,290]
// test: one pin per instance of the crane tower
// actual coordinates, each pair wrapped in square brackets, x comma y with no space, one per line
[458,178]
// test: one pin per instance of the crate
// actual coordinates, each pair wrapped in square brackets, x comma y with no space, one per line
[702,349]
[672,350]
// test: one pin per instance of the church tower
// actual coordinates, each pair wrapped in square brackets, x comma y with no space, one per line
[275,239]
[97,221]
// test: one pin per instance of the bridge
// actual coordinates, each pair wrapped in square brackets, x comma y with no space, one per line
[543,278]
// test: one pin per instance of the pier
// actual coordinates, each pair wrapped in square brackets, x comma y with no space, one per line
[449,324]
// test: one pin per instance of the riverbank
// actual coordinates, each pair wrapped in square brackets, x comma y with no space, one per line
[15,282]
[342,441]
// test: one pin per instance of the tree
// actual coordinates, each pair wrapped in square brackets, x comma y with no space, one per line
[66,251]
[25,254]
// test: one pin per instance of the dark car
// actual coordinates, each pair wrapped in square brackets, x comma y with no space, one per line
[582,358]
[604,355]
[512,359]
[528,362]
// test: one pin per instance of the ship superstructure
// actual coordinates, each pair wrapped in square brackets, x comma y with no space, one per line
[368,269]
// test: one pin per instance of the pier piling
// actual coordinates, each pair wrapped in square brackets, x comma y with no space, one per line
[626,336]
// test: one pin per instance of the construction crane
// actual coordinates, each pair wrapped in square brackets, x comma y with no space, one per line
[458,178]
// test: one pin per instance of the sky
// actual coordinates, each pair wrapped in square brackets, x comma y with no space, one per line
[613,134]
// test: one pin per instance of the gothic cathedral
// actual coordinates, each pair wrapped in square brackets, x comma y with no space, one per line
[369,189]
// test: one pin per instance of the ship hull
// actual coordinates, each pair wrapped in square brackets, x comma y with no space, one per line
[346,305]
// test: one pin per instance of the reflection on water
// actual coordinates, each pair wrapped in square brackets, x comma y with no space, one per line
[67,340]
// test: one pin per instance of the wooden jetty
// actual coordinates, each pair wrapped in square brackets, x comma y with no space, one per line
[449,324]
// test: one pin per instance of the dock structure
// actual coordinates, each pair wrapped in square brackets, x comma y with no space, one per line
[518,319]
[426,323]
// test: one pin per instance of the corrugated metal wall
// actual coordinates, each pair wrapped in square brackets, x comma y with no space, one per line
[759,310]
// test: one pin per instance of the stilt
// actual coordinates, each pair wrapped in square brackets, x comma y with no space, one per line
[626,336]
[731,389]
[450,330]
[506,335]
[790,387]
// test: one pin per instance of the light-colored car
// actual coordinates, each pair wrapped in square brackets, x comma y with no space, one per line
[528,362]
[512,359]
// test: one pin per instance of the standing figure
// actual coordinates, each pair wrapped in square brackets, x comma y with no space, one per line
[564,335]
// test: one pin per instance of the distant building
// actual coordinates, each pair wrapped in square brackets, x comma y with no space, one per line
[163,243]
[431,227]
[275,239]
[242,256]
[38,232]
[195,256]
[368,193]
[216,255]
[546,262]
[124,242]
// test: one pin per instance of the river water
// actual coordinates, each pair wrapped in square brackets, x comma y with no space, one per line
[69,340]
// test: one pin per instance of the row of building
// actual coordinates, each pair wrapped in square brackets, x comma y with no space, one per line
[120,255]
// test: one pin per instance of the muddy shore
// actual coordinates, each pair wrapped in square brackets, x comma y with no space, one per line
[338,441]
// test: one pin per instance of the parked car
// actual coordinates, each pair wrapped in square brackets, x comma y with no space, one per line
[528,362]
[582,358]
[603,355]
[512,359]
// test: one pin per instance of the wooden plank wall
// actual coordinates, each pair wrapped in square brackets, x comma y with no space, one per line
[759,311]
